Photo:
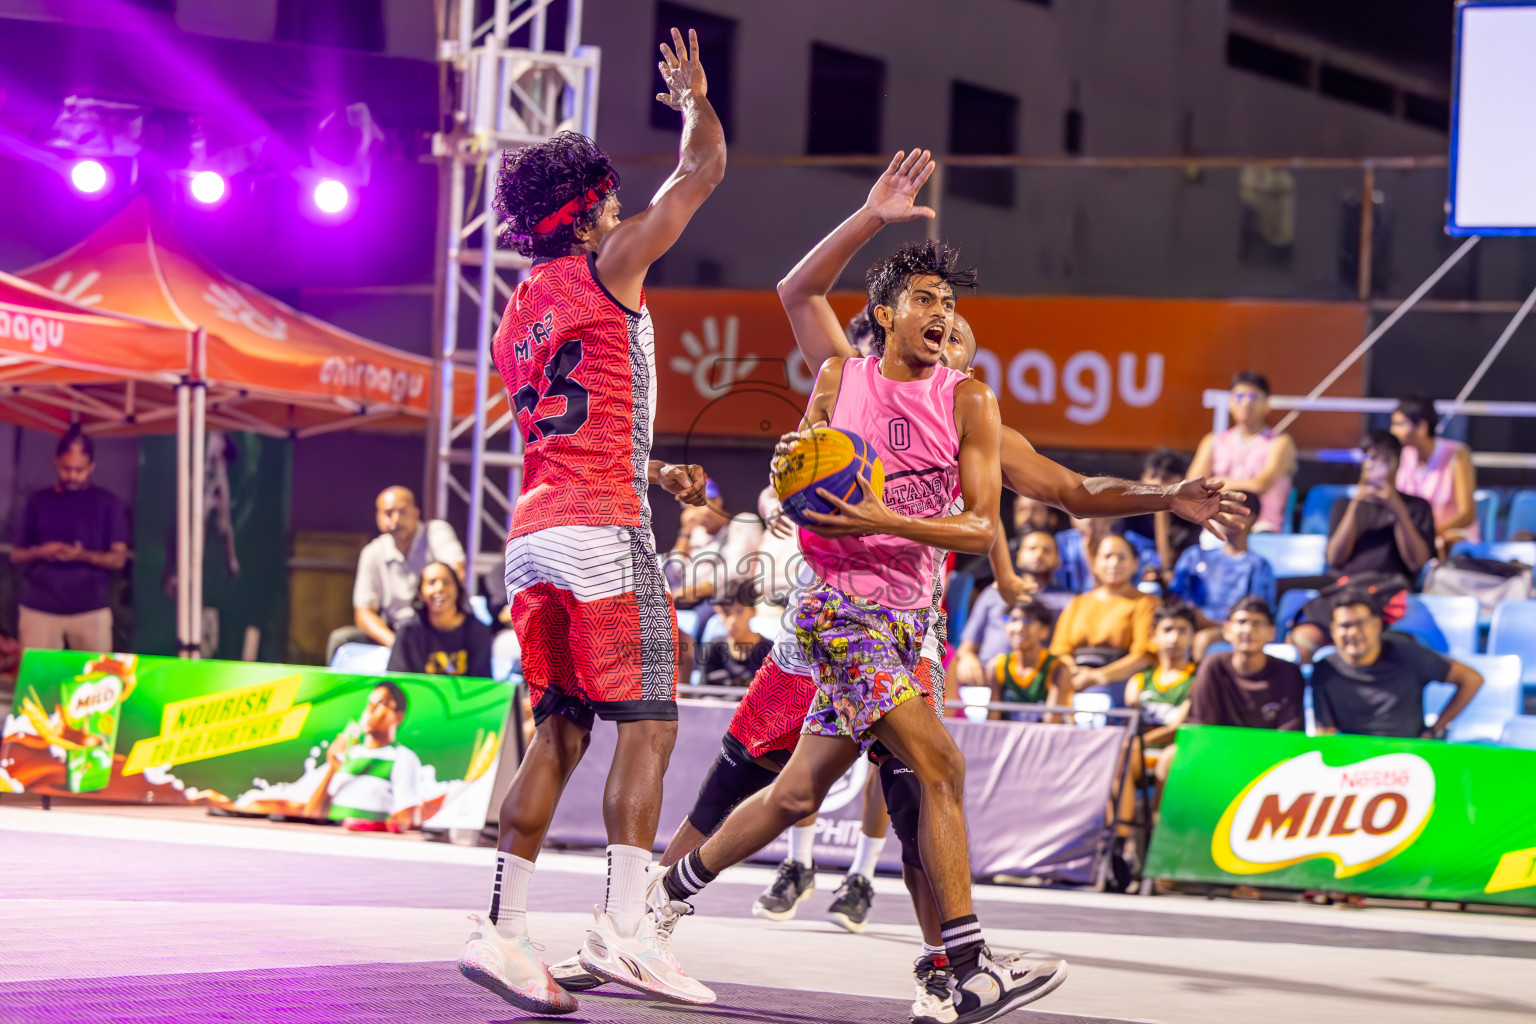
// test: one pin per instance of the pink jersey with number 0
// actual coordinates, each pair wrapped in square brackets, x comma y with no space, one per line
[911,425]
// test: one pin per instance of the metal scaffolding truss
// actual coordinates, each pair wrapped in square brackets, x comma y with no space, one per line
[498,97]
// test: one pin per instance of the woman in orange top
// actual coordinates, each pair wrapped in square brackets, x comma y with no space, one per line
[1107,633]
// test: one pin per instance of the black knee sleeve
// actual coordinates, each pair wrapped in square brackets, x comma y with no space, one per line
[904,800]
[732,778]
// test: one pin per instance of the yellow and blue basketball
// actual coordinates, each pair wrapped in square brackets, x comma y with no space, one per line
[831,458]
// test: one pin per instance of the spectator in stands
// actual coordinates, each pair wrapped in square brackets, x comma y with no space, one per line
[389,569]
[1247,688]
[1374,684]
[1378,542]
[735,659]
[1162,693]
[1075,546]
[713,550]
[71,538]
[443,638]
[1107,632]
[1170,534]
[1214,579]
[1436,469]
[1027,672]
[1029,516]
[778,557]
[986,629]
[1248,456]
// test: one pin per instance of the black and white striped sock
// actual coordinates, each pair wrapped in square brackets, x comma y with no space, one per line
[963,942]
[687,877]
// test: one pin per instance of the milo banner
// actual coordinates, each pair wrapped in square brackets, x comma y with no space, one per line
[1034,795]
[395,752]
[1387,817]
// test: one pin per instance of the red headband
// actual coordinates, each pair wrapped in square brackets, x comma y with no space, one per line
[568,213]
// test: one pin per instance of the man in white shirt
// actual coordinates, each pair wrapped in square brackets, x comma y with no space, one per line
[389,569]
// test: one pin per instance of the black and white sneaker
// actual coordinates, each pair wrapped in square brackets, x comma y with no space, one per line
[792,886]
[999,984]
[934,1000]
[851,907]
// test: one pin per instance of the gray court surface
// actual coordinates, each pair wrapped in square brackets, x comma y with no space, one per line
[139,915]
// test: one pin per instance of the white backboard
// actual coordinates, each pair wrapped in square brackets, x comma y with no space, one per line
[1493,123]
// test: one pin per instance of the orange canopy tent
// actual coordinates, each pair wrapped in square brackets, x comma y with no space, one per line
[267,367]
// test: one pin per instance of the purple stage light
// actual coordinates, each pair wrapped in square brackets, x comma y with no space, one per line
[331,196]
[207,187]
[88,177]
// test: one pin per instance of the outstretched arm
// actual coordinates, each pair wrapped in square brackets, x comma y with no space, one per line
[629,249]
[804,289]
[1031,474]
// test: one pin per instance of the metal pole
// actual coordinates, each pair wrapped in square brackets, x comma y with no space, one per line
[1392,318]
[1367,247]
[936,200]
[449,342]
[1493,353]
[199,515]
[183,518]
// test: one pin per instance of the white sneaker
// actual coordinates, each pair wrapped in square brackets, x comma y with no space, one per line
[1003,983]
[572,976]
[644,961]
[513,969]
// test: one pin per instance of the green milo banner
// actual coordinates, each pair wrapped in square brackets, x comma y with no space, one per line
[374,752]
[1387,817]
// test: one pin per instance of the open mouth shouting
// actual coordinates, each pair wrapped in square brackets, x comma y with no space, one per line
[933,336]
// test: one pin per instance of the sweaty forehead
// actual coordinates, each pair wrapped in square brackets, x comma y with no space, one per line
[930,284]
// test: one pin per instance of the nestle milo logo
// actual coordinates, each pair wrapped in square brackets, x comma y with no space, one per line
[1357,815]
[93,698]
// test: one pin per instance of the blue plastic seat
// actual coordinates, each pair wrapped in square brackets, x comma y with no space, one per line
[1520,731]
[361,659]
[1317,509]
[1290,604]
[1514,551]
[958,592]
[1292,554]
[1218,647]
[1456,616]
[1513,631]
[1487,511]
[1522,513]
[1496,703]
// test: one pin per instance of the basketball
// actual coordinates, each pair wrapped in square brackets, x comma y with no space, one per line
[829,458]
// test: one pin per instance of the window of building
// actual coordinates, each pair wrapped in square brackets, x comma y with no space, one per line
[1353,88]
[717,44]
[1269,61]
[1427,111]
[847,101]
[1072,132]
[982,122]
[354,24]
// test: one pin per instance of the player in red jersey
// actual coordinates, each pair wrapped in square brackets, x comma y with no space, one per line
[588,601]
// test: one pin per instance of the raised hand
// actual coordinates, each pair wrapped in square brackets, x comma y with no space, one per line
[681,70]
[1203,502]
[893,194]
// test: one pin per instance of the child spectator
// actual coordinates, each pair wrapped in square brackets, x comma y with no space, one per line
[734,660]
[1027,673]
[986,629]
[1214,580]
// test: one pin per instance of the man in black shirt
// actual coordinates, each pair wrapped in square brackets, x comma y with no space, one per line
[1377,543]
[1248,688]
[70,539]
[1374,685]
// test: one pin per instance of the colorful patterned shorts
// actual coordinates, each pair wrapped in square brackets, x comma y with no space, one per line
[865,657]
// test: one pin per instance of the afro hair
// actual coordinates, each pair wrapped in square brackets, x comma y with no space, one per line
[535,181]
[888,278]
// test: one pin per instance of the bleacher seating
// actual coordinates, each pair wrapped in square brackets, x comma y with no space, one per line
[1290,603]
[1317,509]
[1487,512]
[1520,731]
[1496,703]
[958,593]
[1456,617]
[1514,632]
[1522,513]
[1291,554]
[361,659]
[1285,652]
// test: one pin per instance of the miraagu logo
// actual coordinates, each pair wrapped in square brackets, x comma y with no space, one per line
[713,363]
[1357,816]
[99,696]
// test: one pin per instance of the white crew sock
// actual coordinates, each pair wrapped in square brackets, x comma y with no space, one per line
[866,855]
[802,840]
[625,905]
[933,950]
[509,895]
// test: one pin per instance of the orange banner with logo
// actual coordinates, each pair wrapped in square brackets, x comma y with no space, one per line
[1116,374]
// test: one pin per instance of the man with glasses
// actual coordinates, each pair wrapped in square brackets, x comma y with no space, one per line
[1374,685]
[1248,456]
[1246,687]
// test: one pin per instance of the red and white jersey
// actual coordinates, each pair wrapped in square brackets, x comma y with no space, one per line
[580,371]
